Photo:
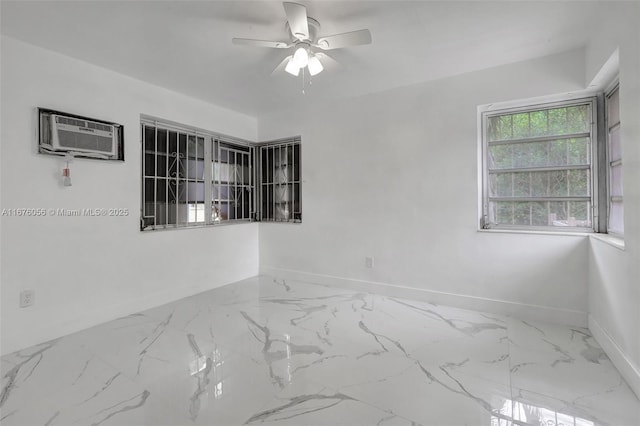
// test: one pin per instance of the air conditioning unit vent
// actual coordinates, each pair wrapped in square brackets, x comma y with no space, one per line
[83,136]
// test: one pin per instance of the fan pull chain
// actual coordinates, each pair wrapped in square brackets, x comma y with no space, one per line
[303,80]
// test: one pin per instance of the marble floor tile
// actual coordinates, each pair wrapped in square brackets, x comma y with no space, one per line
[279,352]
[226,391]
[562,362]
[619,407]
[308,403]
[432,395]
[60,383]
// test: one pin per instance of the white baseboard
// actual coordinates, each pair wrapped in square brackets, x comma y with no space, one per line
[504,307]
[626,367]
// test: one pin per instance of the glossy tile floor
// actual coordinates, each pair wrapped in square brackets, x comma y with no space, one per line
[266,351]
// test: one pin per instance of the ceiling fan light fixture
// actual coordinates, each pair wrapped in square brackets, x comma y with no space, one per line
[315,66]
[301,57]
[292,68]
[303,32]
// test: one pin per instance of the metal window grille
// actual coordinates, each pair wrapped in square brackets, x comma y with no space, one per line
[173,177]
[538,166]
[615,210]
[280,181]
[232,183]
[192,177]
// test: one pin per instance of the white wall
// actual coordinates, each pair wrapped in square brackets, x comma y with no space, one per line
[393,175]
[87,270]
[614,274]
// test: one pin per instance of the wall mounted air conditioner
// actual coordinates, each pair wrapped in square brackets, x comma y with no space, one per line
[83,136]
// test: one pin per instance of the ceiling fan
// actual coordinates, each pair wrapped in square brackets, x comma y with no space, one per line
[303,32]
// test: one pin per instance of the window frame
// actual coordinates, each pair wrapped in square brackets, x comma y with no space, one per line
[492,110]
[268,186]
[609,90]
[216,147]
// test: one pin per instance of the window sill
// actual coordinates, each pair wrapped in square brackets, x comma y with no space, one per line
[537,232]
[281,222]
[615,241]
[196,225]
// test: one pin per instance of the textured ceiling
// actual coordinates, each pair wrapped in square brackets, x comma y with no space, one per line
[186,45]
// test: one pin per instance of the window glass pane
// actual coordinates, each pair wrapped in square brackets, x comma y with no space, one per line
[521,125]
[161,157]
[193,159]
[615,151]
[580,212]
[542,213]
[613,108]
[162,141]
[173,154]
[161,190]
[579,182]
[245,176]
[557,183]
[149,196]
[578,151]
[556,121]
[149,139]
[190,192]
[149,164]
[182,145]
[195,213]
[500,157]
[296,163]
[578,119]
[539,123]
[499,128]
[562,152]
[615,183]
[616,217]
[194,169]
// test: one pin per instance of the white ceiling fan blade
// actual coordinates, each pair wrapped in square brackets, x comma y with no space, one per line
[297,17]
[327,61]
[260,43]
[280,68]
[353,38]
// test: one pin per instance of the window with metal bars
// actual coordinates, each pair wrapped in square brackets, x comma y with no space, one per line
[538,166]
[192,177]
[280,184]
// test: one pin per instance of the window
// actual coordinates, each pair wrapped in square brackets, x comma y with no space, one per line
[232,186]
[537,167]
[615,216]
[280,182]
[173,173]
[193,178]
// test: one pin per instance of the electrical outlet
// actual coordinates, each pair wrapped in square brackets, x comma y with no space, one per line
[368,262]
[27,297]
